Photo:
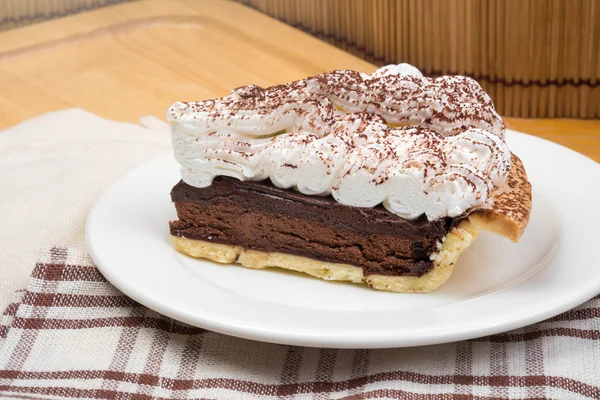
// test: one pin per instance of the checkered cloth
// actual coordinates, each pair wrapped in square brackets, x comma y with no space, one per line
[73,335]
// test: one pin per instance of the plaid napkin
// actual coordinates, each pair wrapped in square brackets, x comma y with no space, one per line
[71,334]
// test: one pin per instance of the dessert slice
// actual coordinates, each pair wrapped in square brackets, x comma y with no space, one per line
[382,178]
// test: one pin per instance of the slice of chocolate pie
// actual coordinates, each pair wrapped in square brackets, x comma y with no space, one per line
[382,178]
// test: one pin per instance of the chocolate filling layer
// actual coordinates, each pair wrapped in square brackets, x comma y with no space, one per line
[260,216]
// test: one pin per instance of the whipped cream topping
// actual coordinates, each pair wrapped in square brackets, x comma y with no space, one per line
[397,69]
[331,134]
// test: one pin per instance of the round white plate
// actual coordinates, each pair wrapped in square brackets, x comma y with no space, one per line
[497,285]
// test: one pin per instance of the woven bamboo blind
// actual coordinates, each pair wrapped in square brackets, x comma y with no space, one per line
[536,58]
[15,13]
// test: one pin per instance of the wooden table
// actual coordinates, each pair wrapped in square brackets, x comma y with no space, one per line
[137,58]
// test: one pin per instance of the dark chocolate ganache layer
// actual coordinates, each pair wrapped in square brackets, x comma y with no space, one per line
[260,216]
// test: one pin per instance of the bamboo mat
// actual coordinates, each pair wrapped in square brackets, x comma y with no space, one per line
[536,58]
[15,13]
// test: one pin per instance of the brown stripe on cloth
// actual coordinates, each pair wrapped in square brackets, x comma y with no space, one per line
[67,273]
[136,321]
[577,315]
[65,392]
[324,374]
[360,368]
[360,363]
[3,332]
[11,310]
[567,384]
[160,341]
[534,363]
[537,333]
[187,367]
[77,300]
[463,367]
[120,359]
[290,371]
[499,367]
[404,395]
[28,337]
[375,394]
[19,396]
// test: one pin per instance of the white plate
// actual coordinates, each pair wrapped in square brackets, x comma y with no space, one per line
[496,286]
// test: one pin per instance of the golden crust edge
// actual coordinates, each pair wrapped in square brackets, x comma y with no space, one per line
[455,242]
[511,208]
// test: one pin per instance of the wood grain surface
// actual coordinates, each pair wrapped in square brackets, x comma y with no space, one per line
[138,58]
